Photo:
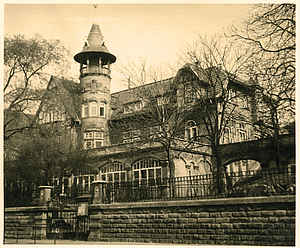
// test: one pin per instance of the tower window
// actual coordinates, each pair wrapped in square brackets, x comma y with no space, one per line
[98,143]
[94,84]
[89,144]
[102,110]
[93,109]
[88,85]
[85,110]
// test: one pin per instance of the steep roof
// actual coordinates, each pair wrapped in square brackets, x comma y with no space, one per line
[203,74]
[95,47]
[67,93]
[157,88]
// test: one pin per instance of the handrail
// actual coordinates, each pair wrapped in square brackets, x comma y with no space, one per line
[101,70]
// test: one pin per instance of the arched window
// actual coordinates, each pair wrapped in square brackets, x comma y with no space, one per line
[113,172]
[147,171]
[191,130]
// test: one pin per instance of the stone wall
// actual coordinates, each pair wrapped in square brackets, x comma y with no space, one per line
[239,221]
[19,222]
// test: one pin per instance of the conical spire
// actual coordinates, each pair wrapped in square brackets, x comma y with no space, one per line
[95,37]
[94,46]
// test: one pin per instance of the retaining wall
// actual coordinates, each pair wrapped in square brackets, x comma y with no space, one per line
[238,221]
[19,222]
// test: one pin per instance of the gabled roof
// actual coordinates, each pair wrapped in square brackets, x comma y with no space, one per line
[67,93]
[151,90]
[202,74]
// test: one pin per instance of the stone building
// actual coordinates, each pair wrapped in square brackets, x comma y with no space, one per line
[125,133]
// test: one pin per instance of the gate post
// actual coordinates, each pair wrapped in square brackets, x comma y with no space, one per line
[45,194]
[99,194]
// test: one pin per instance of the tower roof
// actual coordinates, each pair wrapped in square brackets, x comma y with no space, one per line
[95,47]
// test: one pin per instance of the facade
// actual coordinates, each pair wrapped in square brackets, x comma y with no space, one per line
[120,132]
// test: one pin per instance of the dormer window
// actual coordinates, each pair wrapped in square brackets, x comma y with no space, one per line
[139,105]
[191,130]
[134,106]
[127,108]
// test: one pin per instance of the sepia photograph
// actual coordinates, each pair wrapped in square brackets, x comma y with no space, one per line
[149,124]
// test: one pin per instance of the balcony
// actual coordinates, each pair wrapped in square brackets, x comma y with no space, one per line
[94,70]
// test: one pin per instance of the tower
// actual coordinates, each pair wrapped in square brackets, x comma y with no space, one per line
[95,80]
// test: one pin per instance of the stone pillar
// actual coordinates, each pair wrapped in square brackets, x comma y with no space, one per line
[83,203]
[99,194]
[45,194]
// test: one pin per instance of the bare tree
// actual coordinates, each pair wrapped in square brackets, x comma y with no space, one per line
[25,64]
[221,98]
[270,34]
[161,119]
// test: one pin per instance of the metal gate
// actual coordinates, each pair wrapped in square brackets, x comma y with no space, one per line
[67,224]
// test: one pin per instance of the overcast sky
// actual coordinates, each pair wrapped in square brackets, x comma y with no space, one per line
[156,33]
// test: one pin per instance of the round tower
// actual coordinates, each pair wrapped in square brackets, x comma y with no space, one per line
[95,61]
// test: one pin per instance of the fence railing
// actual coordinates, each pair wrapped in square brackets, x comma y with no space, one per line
[235,184]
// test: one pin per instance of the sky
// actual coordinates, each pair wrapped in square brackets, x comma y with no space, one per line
[156,33]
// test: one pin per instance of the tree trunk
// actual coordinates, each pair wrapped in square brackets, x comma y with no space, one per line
[276,137]
[218,172]
[171,164]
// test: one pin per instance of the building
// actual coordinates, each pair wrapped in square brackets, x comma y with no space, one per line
[123,132]
[147,133]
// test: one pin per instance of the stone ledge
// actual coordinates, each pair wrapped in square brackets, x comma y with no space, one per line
[26,209]
[202,202]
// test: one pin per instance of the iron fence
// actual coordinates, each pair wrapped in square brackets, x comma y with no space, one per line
[235,184]
[67,226]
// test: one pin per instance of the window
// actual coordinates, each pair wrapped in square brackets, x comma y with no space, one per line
[98,143]
[113,172]
[89,144]
[139,105]
[88,135]
[98,135]
[189,94]
[128,108]
[94,84]
[93,139]
[102,110]
[88,85]
[243,135]
[146,172]
[85,110]
[131,136]
[93,107]
[191,131]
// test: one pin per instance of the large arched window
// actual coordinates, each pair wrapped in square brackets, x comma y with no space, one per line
[147,171]
[113,172]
